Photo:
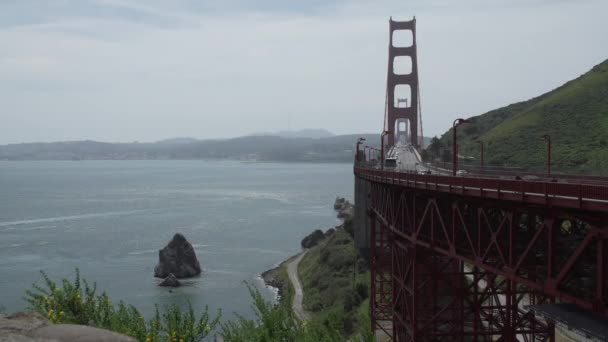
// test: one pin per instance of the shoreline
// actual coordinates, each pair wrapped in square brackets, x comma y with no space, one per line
[271,280]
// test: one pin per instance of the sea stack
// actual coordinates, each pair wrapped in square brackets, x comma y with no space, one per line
[177,257]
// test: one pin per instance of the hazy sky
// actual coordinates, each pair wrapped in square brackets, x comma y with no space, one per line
[125,70]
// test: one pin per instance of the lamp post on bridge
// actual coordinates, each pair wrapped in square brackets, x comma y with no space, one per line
[457,123]
[385,133]
[547,138]
[359,142]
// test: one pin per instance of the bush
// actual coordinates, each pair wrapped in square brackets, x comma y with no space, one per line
[362,290]
[349,226]
[77,303]
[275,323]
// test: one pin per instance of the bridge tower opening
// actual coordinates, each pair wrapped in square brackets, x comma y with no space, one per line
[402,91]
[402,131]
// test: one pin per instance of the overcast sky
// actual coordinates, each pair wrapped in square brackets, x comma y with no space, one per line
[126,70]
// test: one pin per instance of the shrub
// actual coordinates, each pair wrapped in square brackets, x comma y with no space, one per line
[275,323]
[76,302]
[349,226]
[362,290]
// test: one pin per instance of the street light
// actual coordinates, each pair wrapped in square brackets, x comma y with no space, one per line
[382,147]
[359,142]
[547,138]
[457,123]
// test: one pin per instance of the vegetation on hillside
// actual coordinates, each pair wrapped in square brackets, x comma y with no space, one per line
[76,302]
[575,115]
[336,284]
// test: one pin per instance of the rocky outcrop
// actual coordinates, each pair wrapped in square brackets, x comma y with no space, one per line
[33,327]
[330,232]
[339,202]
[344,208]
[170,281]
[179,258]
[313,239]
[272,279]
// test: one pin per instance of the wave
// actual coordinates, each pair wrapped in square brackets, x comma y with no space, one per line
[143,251]
[69,218]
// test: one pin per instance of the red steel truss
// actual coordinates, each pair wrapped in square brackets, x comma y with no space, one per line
[460,263]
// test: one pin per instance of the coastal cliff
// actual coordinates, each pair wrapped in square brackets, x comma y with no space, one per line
[334,277]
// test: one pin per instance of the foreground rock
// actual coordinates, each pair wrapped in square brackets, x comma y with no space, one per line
[33,327]
[177,257]
[313,239]
[170,281]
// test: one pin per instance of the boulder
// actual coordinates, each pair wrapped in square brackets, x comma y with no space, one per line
[177,257]
[79,333]
[170,281]
[346,211]
[339,202]
[313,239]
[33,327]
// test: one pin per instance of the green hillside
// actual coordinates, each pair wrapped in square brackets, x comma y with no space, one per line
[575,115]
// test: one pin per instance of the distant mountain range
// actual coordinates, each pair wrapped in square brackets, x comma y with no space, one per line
[313,133]
[318,146]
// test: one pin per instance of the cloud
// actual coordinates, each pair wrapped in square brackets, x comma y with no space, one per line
[123,70]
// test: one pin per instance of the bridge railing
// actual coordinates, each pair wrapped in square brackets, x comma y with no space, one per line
[580,195]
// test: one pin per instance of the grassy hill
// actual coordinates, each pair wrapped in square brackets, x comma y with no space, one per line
[335,280]
[575,115]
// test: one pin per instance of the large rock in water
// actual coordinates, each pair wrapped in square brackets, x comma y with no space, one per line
[177,257]
[170,281]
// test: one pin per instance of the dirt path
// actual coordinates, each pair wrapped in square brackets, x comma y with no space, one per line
[292,272]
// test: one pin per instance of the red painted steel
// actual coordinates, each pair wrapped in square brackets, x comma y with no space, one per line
[465,255]
[459,258]
[394,112]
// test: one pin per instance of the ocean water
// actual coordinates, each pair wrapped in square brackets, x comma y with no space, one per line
[109,218]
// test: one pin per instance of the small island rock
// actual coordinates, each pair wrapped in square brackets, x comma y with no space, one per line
[179,258]
[170,281]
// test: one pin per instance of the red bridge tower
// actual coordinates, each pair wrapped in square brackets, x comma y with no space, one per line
[402,112]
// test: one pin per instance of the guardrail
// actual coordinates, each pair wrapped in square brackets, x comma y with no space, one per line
[580,195]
